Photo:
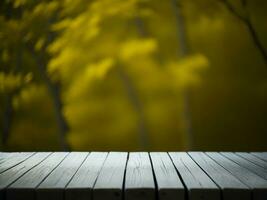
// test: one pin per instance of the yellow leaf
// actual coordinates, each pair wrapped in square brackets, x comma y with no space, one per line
[187,71]
[100,69]
[137,48]
[39,44]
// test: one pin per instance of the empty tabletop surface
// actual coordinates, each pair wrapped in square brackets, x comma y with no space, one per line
[133,175]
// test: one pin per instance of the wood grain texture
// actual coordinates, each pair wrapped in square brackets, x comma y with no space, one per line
[257,184]
[11,175]
[231,187]
[109,184]
[261,155]
[252,158]
[169,184]
[9,160]
[139,180]
[81,185]
[137,175]
[260,171]
[198,184]
[53,187]
[24,187]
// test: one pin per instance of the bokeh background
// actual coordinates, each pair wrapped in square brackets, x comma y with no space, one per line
[131,75]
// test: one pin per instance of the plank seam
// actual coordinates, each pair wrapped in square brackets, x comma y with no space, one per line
[88,153]
[18,162]
[77,169]
[154,177]
[92,196]
[221,153]
[255,155]
[52,170]
[220,189]
[232,173]
[124,177]
[252,161]
[4,194]
[186,195]
[28,170]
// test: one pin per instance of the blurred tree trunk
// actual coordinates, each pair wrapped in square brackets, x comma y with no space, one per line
[184,51]
[55,93]
[137,105]
[54,90]
[135,100]
[8,113]
[246,19]
[54,87]
[7,119]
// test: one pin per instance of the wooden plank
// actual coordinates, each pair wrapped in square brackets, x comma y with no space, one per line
[109,184]
[257,184]
[231,187]
[53,187]
[4,156]
[11,175]
[253,158]
[139,180]
[24,187]
[261,155]
[262,172]
[169,184]
[81,185]
[9,160]
[198,184]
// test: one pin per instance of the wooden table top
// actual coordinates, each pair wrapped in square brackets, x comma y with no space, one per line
[133,175]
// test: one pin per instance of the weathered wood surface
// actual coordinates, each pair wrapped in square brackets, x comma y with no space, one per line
[231,187]
[139,180]
[81,185]
[53,186]
[248,163]
[109,184]
[258,159]
[133,176]
[257,184]
[170,186]
[14,173]
[24,188]
[261,155]
[9,160]
[199,184]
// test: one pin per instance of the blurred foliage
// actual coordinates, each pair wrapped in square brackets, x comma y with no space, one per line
[106,75]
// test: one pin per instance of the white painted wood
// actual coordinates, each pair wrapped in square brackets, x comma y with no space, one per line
[4,156]
[81,185]
[9,160]
[139,180]
[261,155]
[257,184]
[53,187]
[169,184]
[253,158]
[109,184]
[11,175]
[260,171]
[24,187]
[198,184]
[231,187]
[157,175]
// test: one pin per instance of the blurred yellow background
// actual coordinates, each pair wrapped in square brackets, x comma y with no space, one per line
[128,75]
